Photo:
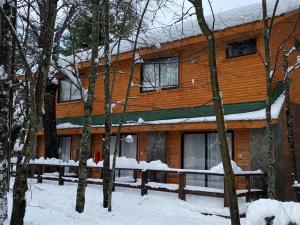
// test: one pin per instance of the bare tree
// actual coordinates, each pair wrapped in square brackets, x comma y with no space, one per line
[267,61]
[34,89]
[218,105]
[288,109]
[107,102]
[124,110]
[88,107]
[5,78]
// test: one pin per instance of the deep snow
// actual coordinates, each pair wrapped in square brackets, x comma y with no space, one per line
[50,204]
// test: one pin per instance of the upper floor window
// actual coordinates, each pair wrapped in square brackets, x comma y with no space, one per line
[70,90]
[161,73]
[241,48]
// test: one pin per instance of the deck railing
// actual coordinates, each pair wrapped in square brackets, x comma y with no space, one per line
[144,184]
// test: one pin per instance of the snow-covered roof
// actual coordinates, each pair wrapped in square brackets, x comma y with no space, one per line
[189,28]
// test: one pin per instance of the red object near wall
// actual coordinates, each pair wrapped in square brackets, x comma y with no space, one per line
[96,157]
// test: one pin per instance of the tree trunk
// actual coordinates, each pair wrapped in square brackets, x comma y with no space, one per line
[218,105]
[107,104]
[34,105]
[121,121]
[269,135]
[88,107]
[48,11]
[5,66]
[49,121]
[289,120]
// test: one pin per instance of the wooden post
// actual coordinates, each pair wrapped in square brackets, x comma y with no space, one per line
[61,174]
[144,181]
[248,185]
[135,175]
[181,185]
[39,171]
[225,195]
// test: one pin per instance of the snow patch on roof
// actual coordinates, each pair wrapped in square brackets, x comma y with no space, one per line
[154,37]
[248,116]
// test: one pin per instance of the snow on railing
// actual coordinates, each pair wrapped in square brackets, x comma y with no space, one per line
[132,164]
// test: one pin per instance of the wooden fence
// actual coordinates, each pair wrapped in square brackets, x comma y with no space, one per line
[37,171]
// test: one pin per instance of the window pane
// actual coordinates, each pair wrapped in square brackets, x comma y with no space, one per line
[65,86]
[214,157]
[241,48]
[128,149]
[169,75]
[150,77]
[156,150]
[194,157]
[75,92]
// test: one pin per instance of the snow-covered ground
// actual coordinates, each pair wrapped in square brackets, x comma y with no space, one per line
[50,204]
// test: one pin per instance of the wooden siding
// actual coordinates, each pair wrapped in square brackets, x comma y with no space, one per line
[174,149]
[142,146]
[242,148]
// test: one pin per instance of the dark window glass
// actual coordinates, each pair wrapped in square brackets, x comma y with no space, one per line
[297,44]
[241,48]
[160,74]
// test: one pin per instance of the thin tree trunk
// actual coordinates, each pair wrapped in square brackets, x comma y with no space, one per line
[20,185]
[5,67]
[218,105]
[107,104]
[88,107]
[121,121]
[289,120]
[269,128]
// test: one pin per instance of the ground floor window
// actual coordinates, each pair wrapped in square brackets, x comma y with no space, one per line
[127,147]
[201,151]
[156,150]
[64,150]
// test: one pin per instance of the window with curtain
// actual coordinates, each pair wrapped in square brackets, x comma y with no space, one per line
[202,152]
[127,148]
[69,91]
[194,157]
[160,74]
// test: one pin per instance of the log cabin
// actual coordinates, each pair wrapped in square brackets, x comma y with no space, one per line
[170,113]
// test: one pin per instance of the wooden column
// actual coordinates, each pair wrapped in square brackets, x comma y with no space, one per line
[248,185]
[181,186]
[61,174]
[40,172]
[144,181]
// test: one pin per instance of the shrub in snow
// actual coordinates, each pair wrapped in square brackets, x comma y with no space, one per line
[285,213]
